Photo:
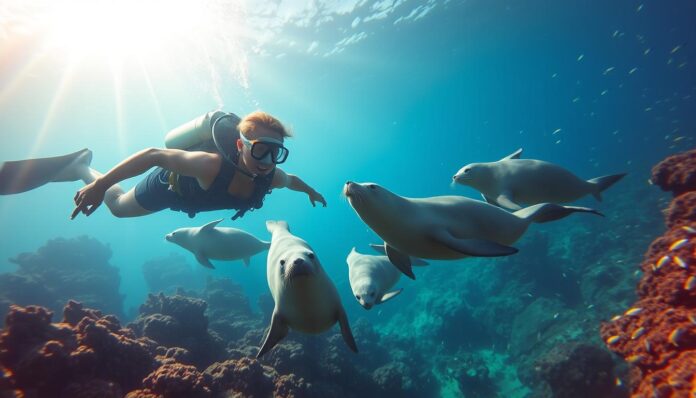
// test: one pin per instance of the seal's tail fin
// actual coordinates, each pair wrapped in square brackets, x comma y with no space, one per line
[601,183]
[25,175]
[545,212]
[273,226]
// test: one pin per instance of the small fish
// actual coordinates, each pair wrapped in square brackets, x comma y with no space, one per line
[681,263]
[677,139]
[580,57]
[576,99]
[632,71]
[616,33]
[639,332]
[646,52]
[675,49]
[609,69]
[633,311]
[681,65]
[530,295]
[556,131]
[564,274]
[634,358]
[589,307]
[613,339]
[648,109]
[558,141]
[662,261]
[640,7]
[556,315]
[604,92]
[678,244]
[690,283]
[674,336]
[616,318]
[554,75]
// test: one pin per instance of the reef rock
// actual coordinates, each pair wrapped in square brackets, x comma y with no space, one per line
[61,270]
[657,335]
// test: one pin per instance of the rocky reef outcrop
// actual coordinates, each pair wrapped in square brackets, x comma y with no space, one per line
[656,336]
[61,270]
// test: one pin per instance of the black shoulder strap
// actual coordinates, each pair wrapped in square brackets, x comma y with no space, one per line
[262,187]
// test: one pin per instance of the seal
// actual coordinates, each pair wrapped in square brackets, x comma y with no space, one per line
[444,227]
[211,241]
[305,298]
[371,277]
[512,182]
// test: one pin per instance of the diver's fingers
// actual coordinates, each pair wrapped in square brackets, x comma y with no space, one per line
[91,209]
[77,194]
[75,212]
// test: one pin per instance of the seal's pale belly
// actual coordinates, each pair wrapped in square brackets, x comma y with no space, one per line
[308,306]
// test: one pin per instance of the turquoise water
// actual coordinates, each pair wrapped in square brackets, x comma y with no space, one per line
[398,93]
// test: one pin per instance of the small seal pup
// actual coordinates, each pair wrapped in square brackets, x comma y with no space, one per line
[218,243]
[511,182]
[305,298]
[444,227]
[371,277]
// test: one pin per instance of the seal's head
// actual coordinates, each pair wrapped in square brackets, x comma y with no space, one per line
[472,174]
[296,264]
[365,293]
[179,237]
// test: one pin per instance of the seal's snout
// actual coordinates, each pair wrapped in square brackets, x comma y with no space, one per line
[298,261]
[367,306]
[299,267]
[347,188]
[168,237]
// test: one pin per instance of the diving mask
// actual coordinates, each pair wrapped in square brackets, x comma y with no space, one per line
[266,150]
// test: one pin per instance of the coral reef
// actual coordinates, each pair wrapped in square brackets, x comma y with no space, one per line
[61,270]
[657,335]
[89,355]
[179,321]
[676,173]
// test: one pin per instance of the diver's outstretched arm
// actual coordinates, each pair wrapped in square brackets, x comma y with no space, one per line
[284,180]
[202,165]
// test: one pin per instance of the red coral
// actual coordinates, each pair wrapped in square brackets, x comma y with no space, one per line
[676,173]
[45,358]
[657,336]
[177,380]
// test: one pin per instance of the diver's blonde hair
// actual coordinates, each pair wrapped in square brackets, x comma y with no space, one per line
[257,119]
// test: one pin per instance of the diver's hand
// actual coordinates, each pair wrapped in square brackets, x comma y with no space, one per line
[88,199]
[315,196]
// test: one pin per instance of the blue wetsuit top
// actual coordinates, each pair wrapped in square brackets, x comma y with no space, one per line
[154,193]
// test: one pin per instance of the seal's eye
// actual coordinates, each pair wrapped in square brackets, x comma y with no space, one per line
[372,186]
[310,255]
[466,170]
[357,296]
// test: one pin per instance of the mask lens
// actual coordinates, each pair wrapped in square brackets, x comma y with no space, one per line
[277,152]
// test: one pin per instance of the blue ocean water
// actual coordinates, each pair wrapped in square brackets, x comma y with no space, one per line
[401,93]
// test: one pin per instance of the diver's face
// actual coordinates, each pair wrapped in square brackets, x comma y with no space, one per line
[257,166]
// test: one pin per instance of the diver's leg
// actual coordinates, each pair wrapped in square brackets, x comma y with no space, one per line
[122,204]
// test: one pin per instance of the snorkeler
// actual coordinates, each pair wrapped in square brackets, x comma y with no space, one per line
[237,172]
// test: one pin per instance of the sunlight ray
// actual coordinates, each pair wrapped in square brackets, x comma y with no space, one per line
[63,86]
[117,73]
[153,96]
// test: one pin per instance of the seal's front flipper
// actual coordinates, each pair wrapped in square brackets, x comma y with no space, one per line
[203,260]
[25,175]
[400,260]
[415,261]
[514,155]
[545,212]
[277,331]
[389,296]
[505,201]
[345,330]
[473,247]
